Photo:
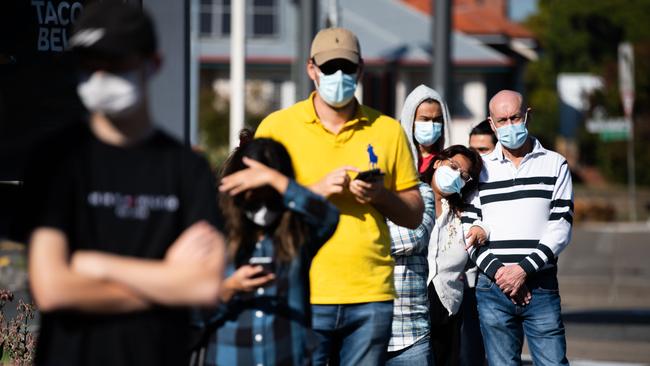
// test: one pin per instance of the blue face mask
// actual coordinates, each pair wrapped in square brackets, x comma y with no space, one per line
[337,89]
[513,136]
[448,180]
[427,133]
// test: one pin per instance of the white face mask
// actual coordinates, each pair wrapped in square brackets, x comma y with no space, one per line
[426,133]
[448,180]
[262,216]
[337,89]
[114,95]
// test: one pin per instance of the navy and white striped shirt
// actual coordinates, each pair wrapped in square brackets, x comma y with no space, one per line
[528,209]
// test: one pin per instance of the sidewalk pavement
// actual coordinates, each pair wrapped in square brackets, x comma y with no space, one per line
[604,277]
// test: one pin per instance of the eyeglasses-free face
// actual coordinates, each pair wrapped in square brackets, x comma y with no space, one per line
[516,118]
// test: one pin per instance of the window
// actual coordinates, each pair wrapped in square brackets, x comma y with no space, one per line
[261,18]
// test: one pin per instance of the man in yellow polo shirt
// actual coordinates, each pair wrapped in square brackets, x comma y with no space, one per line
[331,137]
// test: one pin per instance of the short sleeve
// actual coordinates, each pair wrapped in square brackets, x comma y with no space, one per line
[264,129]
[47,193]
[54,206]
[405,175]
[199,192]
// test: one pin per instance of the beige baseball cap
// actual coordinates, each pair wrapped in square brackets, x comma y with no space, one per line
[331,43]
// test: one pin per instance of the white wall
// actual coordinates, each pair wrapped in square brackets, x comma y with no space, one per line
[473,94]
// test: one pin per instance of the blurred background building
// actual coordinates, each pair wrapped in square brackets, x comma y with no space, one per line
[488,53]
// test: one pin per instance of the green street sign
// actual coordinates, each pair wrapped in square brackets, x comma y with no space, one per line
[611,136]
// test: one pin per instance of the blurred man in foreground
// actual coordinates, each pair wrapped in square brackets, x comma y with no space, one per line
[124,230]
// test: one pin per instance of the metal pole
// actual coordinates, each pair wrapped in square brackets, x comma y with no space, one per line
[194,66]
[187,71]
[237,69]
[626,88]
[631,174]
[333,13]
[441,70]
[307,15]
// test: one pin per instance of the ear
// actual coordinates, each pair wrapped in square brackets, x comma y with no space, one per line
[312,71]
[360,69]
[436,164]
[494,129]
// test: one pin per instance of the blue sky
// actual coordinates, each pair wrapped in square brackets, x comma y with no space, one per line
[520,9]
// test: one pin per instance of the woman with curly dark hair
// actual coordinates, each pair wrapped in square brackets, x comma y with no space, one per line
[456,171]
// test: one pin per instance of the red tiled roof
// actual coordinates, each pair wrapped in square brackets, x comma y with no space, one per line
[478,17]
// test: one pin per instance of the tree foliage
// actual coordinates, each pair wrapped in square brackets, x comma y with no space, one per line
[214,127]
[583,36]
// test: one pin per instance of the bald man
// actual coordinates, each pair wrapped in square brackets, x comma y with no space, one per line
[526,199]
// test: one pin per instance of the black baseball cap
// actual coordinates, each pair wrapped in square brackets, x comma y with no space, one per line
[114,30]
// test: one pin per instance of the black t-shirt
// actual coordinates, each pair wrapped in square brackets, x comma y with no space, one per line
[132,201]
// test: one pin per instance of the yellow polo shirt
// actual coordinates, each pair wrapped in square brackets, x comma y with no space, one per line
[355,265]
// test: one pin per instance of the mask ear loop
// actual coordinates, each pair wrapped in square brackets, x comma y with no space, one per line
[528,110]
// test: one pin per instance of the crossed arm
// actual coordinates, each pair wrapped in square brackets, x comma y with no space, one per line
[190,273]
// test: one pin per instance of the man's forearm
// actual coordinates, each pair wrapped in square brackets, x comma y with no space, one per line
[485,260]
[95,296]
[56,287]
[68,290]
[404,208]
[167,283]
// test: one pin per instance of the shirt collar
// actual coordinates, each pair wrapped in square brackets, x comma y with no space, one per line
[497,153]
[311,116]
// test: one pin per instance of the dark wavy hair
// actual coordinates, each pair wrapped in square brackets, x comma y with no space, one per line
[456,201]
[289,232]
[483,128]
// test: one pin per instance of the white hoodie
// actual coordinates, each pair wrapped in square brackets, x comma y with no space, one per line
[446,252]
[411,104]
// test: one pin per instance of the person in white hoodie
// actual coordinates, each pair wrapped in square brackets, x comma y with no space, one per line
[409,343]
[424,118]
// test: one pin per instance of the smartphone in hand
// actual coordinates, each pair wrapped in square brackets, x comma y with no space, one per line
[266,263]
[370,175]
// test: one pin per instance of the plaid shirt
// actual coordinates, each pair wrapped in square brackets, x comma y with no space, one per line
[409,248]
[271,326]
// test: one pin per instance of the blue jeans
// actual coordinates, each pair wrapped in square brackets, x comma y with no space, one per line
[417,354]
[352,334]
[504,324]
